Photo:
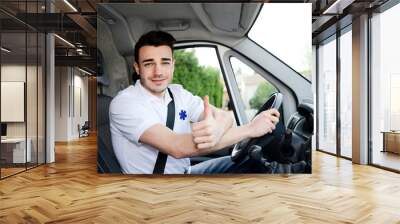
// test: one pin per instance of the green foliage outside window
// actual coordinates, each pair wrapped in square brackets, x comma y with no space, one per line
[197,79]
[264,90]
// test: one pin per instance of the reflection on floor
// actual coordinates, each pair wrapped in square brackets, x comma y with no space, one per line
[9,169]
[386,159]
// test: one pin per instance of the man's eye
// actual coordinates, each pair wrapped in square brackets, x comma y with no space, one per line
[166,63]
[148,65]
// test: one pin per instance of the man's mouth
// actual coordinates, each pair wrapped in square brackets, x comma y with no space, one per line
[157,81]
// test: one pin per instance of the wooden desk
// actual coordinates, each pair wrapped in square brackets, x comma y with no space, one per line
[15,148]
[391,141]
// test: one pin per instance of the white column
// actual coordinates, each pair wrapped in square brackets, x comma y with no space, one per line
[360,90]
[50,92]
[314,89]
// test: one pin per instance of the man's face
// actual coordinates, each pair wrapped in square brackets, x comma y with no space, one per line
[156,68]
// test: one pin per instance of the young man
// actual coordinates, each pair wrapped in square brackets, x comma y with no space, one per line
[138,117]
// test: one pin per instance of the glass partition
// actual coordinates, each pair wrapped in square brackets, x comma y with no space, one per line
[31,98]
[41,91]
[13,115]
[385,85]
[346,93]
[23,87]
[327,96]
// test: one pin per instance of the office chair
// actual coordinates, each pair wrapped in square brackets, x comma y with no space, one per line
[84,129]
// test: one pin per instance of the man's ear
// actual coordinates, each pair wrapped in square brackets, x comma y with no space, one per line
[136,67]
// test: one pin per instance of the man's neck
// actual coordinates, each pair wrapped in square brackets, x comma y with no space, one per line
[156,94]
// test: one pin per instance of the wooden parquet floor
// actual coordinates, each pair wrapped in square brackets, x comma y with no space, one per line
[71,191]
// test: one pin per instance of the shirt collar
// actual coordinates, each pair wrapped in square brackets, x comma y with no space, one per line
[146,93]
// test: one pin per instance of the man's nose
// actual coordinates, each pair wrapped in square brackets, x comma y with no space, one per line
[157,69]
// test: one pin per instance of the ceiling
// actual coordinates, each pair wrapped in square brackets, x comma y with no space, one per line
[77,22]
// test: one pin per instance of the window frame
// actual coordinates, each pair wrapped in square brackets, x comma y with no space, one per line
[236,83]
[223,54]
[333,37]
[289,95]
[186,45]
[371,14]
[191,44]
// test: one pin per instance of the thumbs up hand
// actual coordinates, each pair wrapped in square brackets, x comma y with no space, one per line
[206,132]
[207,109]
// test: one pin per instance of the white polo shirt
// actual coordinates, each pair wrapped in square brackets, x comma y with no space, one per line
[134,110]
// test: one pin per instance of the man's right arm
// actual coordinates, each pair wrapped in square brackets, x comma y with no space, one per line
[187,145]
[182,145]
[162,138]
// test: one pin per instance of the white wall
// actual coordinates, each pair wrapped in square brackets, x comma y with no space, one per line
[79,117]
[33,125]
[61,103]
[16,73]
[71,94]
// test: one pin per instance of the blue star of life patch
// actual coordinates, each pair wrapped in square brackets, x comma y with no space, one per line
[182,115]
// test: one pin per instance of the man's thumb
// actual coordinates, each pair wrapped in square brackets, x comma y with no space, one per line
[207,109]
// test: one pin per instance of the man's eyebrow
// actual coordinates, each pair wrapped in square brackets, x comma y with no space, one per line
[148,60]
[152,60]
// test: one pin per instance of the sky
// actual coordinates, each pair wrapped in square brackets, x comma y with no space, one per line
[284,29]
[207,56]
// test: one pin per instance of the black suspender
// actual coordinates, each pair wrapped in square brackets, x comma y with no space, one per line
[162,157]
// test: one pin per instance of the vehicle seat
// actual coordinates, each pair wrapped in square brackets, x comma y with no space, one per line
[106,160]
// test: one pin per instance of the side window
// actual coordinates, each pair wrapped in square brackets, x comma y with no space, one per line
[254,89]
[198,70]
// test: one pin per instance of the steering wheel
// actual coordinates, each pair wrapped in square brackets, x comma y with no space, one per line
[240,151]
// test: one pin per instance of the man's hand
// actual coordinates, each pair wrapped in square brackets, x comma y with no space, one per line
[263,123]
[207,133]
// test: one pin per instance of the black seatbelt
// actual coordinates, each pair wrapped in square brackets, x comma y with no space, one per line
[162,157]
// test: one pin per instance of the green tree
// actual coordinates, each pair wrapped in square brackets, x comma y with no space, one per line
[197,79]
[264,90]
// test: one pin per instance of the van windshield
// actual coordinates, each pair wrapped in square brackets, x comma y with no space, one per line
[284,29]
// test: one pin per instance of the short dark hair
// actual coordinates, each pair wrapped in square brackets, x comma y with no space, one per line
[154,38]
